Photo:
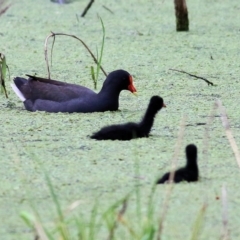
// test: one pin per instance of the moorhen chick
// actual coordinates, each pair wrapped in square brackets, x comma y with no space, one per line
[132,130]
[41,94]
[188,173]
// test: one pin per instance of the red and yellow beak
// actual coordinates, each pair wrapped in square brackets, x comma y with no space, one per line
[131,87]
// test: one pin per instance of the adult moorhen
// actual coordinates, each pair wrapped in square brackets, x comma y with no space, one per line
[41,94]
[188,173]
[132,130]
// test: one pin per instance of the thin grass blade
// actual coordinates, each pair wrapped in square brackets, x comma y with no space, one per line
[198,222]
[3,72]
[102,47]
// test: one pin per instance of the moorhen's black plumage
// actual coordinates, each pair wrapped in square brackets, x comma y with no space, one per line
[40,94]
[132,130]
[188,173]
[62,1]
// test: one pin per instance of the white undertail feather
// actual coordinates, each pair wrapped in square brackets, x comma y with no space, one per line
[18,92]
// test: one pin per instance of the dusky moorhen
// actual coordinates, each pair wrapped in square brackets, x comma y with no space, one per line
[41,94]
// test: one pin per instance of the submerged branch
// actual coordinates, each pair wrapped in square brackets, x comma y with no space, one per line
[87,8]
[192,75]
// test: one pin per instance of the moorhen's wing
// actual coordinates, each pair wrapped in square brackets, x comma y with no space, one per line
[47,80]
[53,90]
[184,174]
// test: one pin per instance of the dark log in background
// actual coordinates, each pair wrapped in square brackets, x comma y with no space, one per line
[181,12]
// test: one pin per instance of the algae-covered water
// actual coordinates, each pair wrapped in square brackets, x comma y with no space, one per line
[140,38]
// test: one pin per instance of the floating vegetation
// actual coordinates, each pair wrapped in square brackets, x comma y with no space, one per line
[96,60]
[3,71]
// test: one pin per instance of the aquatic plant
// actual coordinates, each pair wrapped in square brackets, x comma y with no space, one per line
[113,217]
[99,59]
[68,35]
[140,226]
[3,71]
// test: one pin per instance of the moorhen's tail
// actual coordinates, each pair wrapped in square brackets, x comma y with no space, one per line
[97,136]
[163,179]
[16,86]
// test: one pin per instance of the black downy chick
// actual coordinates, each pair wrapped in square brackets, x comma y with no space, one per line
[132,130]
[188,173]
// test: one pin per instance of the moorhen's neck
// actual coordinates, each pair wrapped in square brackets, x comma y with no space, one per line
[148,120]
[109,96]
[191,154]
[110,90]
